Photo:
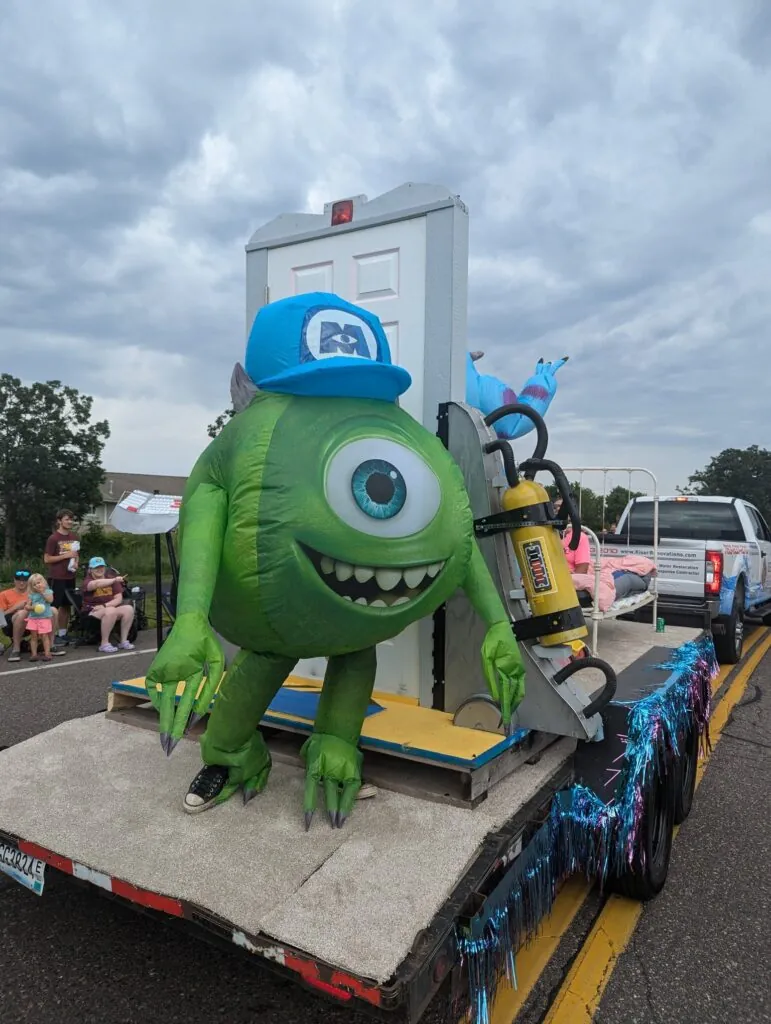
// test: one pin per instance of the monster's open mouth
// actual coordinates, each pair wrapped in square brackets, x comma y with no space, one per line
[372,586]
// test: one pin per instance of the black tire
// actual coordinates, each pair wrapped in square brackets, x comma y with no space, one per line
[729,646]
[646,877]
[685,774]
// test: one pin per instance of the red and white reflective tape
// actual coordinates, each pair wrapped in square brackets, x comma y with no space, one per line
[116,886]
[324,978]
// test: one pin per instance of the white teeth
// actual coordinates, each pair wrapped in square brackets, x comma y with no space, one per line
[414,577]
[349,599]
[387,579]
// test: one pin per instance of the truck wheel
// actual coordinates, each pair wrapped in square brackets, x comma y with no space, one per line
[730,645]
[650,867]
[685,774]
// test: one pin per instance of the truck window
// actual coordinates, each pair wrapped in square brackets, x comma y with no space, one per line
[758,523]
[684,520]
[766,531]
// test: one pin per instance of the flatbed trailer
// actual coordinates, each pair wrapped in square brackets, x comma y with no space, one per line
[427,893]
[416,900]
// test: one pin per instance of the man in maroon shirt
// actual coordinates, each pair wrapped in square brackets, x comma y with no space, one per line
[61,557]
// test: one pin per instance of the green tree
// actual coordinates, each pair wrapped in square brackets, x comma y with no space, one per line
[736,473]
[590,504]
[214,428]
[50,459]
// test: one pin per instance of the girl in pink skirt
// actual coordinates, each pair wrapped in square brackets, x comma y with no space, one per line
[40,616]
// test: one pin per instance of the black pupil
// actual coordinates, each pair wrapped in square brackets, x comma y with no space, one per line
[380,488]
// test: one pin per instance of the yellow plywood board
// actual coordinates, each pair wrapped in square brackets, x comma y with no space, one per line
[399,724]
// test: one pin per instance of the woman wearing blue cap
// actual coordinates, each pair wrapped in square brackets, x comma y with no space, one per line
[103,600]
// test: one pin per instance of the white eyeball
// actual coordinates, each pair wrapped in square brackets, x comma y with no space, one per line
[382,488]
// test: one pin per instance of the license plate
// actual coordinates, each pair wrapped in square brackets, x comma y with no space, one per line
[23,868]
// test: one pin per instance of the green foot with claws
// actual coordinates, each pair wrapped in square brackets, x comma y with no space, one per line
[335,765]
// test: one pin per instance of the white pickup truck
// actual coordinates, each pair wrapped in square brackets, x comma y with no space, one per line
[713,562]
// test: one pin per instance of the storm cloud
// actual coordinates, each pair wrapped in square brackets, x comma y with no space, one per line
[615,159]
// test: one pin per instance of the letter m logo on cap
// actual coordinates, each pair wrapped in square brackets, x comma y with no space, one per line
[334,332]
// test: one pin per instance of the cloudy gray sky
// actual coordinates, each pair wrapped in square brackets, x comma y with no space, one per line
[615,159]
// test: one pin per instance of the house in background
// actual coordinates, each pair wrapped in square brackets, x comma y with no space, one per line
[117,485]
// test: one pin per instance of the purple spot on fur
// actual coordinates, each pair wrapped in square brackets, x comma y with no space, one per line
[535,391]
[509,396]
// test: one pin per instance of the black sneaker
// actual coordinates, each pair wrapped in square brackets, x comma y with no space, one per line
[205,788]
[14,656]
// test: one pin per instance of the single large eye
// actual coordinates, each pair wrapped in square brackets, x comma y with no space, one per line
[382,488]
[378,489]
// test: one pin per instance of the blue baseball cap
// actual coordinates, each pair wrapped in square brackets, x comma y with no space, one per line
[319,345]
[95,562]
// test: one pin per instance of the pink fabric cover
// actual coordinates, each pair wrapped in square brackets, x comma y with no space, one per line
[630,563]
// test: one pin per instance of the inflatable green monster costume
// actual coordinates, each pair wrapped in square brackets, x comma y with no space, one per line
[322,521]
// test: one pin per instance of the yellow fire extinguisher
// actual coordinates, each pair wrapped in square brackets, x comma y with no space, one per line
[529,518]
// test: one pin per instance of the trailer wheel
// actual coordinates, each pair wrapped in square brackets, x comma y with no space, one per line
[645,878]
[729,646]
[685,774]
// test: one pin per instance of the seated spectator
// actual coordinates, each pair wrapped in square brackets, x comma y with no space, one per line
[13,603]
[103,600]
[579,561]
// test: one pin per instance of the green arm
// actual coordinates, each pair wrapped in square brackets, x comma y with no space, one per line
[191,650]
[482,592]
[501,657]
[202,533]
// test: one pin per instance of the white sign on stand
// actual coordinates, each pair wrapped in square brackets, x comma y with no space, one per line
[404,257]
[141,512]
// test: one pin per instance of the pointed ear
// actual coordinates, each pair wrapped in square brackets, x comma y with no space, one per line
[242,388]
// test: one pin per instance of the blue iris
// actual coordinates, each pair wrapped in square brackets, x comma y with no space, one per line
[378,489]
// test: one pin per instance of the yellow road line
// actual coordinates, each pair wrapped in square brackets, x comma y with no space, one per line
[579,997]
[533,958]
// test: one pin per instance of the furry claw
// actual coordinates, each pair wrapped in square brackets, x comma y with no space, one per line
[194,720]
[341,819]
[249,794]
[308,820]
[170,745]
[165,740]
[332,818]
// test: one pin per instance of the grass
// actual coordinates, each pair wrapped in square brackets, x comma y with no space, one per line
[134,556]
[131,555]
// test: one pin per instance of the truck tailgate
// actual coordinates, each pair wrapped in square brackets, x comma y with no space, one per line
[681,566]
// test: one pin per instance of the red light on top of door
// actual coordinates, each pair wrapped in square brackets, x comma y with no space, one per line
[342,212]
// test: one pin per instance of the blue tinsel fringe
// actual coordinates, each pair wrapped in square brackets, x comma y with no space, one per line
[585,835]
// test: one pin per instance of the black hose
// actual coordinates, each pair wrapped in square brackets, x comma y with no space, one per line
[518,409]
[609,689]
[531,467]
[509,465]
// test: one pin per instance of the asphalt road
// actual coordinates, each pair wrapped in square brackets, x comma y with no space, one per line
[700,951]
[697,955]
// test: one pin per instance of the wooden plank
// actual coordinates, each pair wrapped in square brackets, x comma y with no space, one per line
[117,701]
[444,784]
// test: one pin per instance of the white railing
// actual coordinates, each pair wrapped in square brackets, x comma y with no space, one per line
[652,594]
